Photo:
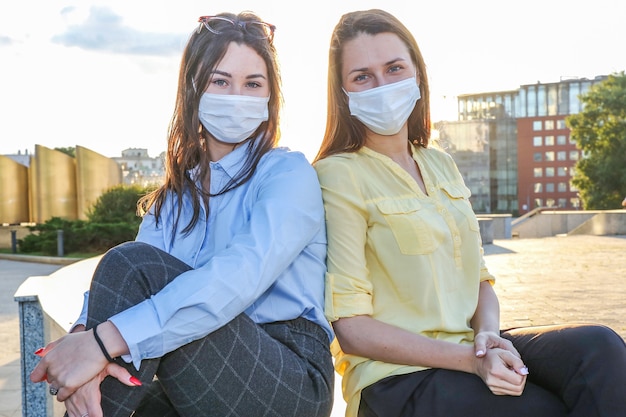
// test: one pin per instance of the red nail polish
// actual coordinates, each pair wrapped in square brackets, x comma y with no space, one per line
[39,351]
[135,381]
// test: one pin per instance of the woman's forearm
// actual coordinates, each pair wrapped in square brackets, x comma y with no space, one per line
[371,338]
[487,315]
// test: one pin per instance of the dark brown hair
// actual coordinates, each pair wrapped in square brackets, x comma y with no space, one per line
[188,157]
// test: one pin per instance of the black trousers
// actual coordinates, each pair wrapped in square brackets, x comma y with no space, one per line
[242,369]
[575,371]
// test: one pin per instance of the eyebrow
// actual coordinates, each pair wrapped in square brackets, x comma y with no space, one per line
[393,61]
[229,75]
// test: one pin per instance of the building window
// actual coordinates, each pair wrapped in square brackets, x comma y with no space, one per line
[550,202]
[552,100]
[561,171]
[537,172]
[562,203]
[542,102]
[537,156]
[549,124]
[561,156]
[537,141]
[537,125]
[538,202]
[562,187]
[561,140]
[550,156]
[549,140]
[575,202]
[560,124]
[573,188]
[538,187]
[573,155]
[549,187]
[520,99]
[531,101]
[574,103]
[549,171]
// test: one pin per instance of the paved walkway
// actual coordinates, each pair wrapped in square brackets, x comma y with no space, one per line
[540,281]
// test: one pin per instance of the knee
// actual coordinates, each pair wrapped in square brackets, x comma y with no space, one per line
[130,247]
[600,341]
[121,257]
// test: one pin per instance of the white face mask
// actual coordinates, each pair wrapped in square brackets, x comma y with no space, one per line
[385,109]
[232,118]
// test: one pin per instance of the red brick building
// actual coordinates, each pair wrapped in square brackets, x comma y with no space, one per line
[526,158]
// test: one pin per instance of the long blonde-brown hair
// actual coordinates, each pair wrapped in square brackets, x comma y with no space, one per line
[345,133]
[187,152]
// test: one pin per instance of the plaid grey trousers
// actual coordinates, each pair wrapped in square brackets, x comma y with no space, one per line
[242,369]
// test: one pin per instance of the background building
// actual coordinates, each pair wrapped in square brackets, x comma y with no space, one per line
[483,144]
[139,168]
[513,147]
[50,183]
[546,155]
[14,200]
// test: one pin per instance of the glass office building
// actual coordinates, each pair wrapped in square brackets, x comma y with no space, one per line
[513,147]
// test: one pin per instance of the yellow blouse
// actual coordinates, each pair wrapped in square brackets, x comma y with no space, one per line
[403,257]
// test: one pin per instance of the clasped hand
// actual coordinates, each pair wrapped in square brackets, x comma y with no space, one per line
[499,364]
[74,364]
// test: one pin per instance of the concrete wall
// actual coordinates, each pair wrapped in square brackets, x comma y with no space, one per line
[610,222]
[551,223]
[501,224]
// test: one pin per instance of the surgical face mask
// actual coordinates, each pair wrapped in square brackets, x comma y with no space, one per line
[232,118]
[385,109]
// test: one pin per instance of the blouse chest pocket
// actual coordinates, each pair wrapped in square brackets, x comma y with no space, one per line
[459,196]
[406,219]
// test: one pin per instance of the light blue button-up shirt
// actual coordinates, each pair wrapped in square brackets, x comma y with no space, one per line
[262,252]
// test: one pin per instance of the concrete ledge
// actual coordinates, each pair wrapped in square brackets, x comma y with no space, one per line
[48,306]
[485,226]
[501,224]
[53,260]
[546,223]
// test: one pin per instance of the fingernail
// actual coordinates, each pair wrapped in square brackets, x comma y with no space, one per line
[136,382]
[480,353]
[39,351]
[524,371]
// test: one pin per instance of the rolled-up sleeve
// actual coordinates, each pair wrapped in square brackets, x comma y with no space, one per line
[348,289]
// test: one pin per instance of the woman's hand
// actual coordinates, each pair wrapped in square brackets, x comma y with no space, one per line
[75,359]
[87,398]
[503,372]
[490,340]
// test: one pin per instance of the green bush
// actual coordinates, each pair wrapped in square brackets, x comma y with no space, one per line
[118,204]
[45,236]
[112,220]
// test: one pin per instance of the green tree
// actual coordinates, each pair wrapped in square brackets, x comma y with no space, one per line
[70,151]
[599,130]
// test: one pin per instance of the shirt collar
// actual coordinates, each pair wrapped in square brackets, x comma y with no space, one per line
[233,161]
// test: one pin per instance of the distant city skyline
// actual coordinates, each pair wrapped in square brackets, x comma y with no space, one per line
[103,74]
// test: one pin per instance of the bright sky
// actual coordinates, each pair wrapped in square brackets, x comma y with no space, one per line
[102,73]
